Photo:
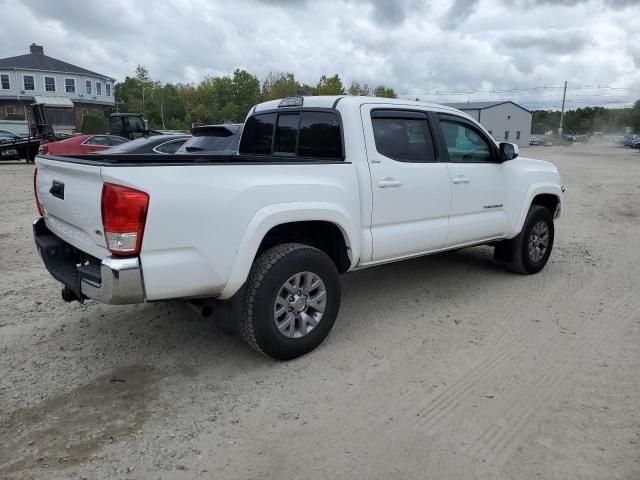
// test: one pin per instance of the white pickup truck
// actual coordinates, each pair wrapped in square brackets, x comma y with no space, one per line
[321,186]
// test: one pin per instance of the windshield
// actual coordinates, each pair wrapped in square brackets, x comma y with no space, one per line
[135,124]
[211,140]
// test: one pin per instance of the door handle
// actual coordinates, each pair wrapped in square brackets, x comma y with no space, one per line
[460,179]
[389,182]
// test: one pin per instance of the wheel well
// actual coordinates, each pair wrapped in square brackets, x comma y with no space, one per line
[322,235]
[546,200]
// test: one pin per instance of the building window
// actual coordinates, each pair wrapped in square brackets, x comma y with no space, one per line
[10,109]
[29,82]
[506,135]
[49,84]
[70,85]
[518,135]
[87,87]
[85,112]
[4,80]
[98,88]
[107,87]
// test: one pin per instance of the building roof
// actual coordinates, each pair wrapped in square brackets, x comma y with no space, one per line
[39,61]
[482,105]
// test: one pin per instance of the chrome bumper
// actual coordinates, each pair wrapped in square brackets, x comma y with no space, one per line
[114,281]
[121,282]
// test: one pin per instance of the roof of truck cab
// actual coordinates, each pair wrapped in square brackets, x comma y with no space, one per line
[331,101]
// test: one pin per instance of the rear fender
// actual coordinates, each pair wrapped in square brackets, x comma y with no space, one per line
[273,215]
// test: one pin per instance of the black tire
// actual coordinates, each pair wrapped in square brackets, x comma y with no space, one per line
[515,253]
[268,274]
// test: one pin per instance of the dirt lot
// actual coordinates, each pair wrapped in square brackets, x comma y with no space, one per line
[442,367]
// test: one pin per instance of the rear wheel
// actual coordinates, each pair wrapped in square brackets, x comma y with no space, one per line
[292,301]
[529,251]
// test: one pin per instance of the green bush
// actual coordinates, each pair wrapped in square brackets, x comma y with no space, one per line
[15,116]
[95,122]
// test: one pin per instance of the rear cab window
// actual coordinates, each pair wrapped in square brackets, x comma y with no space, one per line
[298,134]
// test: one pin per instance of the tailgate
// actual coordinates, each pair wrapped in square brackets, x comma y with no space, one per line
[71,194]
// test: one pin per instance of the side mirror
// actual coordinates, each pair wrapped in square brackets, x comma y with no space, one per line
[508,151]
[146,125]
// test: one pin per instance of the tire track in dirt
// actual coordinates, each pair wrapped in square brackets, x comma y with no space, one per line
[435,409]
[459,395]
[550,381]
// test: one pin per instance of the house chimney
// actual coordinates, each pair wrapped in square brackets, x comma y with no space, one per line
[33,48]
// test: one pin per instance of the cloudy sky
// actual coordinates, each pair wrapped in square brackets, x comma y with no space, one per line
[438,51]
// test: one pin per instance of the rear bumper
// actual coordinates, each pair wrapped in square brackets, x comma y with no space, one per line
[113,280]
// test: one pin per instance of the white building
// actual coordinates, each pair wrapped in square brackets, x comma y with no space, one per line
[66,90]
[505,120]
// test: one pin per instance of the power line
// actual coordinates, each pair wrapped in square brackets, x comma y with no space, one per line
[522,89]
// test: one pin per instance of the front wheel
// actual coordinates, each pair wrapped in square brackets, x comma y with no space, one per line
[292,301]
[529,251]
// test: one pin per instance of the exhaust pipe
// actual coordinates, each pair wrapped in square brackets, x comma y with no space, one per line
[203,308]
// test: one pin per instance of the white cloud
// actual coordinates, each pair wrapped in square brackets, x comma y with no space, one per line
[413,46]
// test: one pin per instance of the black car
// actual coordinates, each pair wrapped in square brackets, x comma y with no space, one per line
[222,139]
[163,144]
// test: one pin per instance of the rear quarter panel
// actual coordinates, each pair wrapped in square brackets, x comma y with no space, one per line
[203,219]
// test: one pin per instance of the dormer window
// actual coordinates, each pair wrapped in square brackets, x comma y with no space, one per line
[87,87]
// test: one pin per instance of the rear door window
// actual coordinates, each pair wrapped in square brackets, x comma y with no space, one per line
[403,136]
[98,140]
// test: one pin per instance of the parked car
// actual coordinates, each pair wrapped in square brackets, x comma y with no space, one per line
[164,144]
[81,144]
[320,186]
[222,139]
[6,134]
[630,139]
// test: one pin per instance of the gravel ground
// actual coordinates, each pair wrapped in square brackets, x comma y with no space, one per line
[442,367]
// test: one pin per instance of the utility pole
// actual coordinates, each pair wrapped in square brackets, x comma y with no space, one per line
[564,96]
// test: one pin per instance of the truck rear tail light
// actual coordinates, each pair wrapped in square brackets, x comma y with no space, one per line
[35,192]
[124,213]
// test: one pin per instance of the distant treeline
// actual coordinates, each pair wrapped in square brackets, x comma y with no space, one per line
[216,99]
[588,120]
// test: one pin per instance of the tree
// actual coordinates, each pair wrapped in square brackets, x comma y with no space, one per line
[246,92]
[279,85]
[382,91]
[329,86]
[359,89]
[95,122]
[135,93]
